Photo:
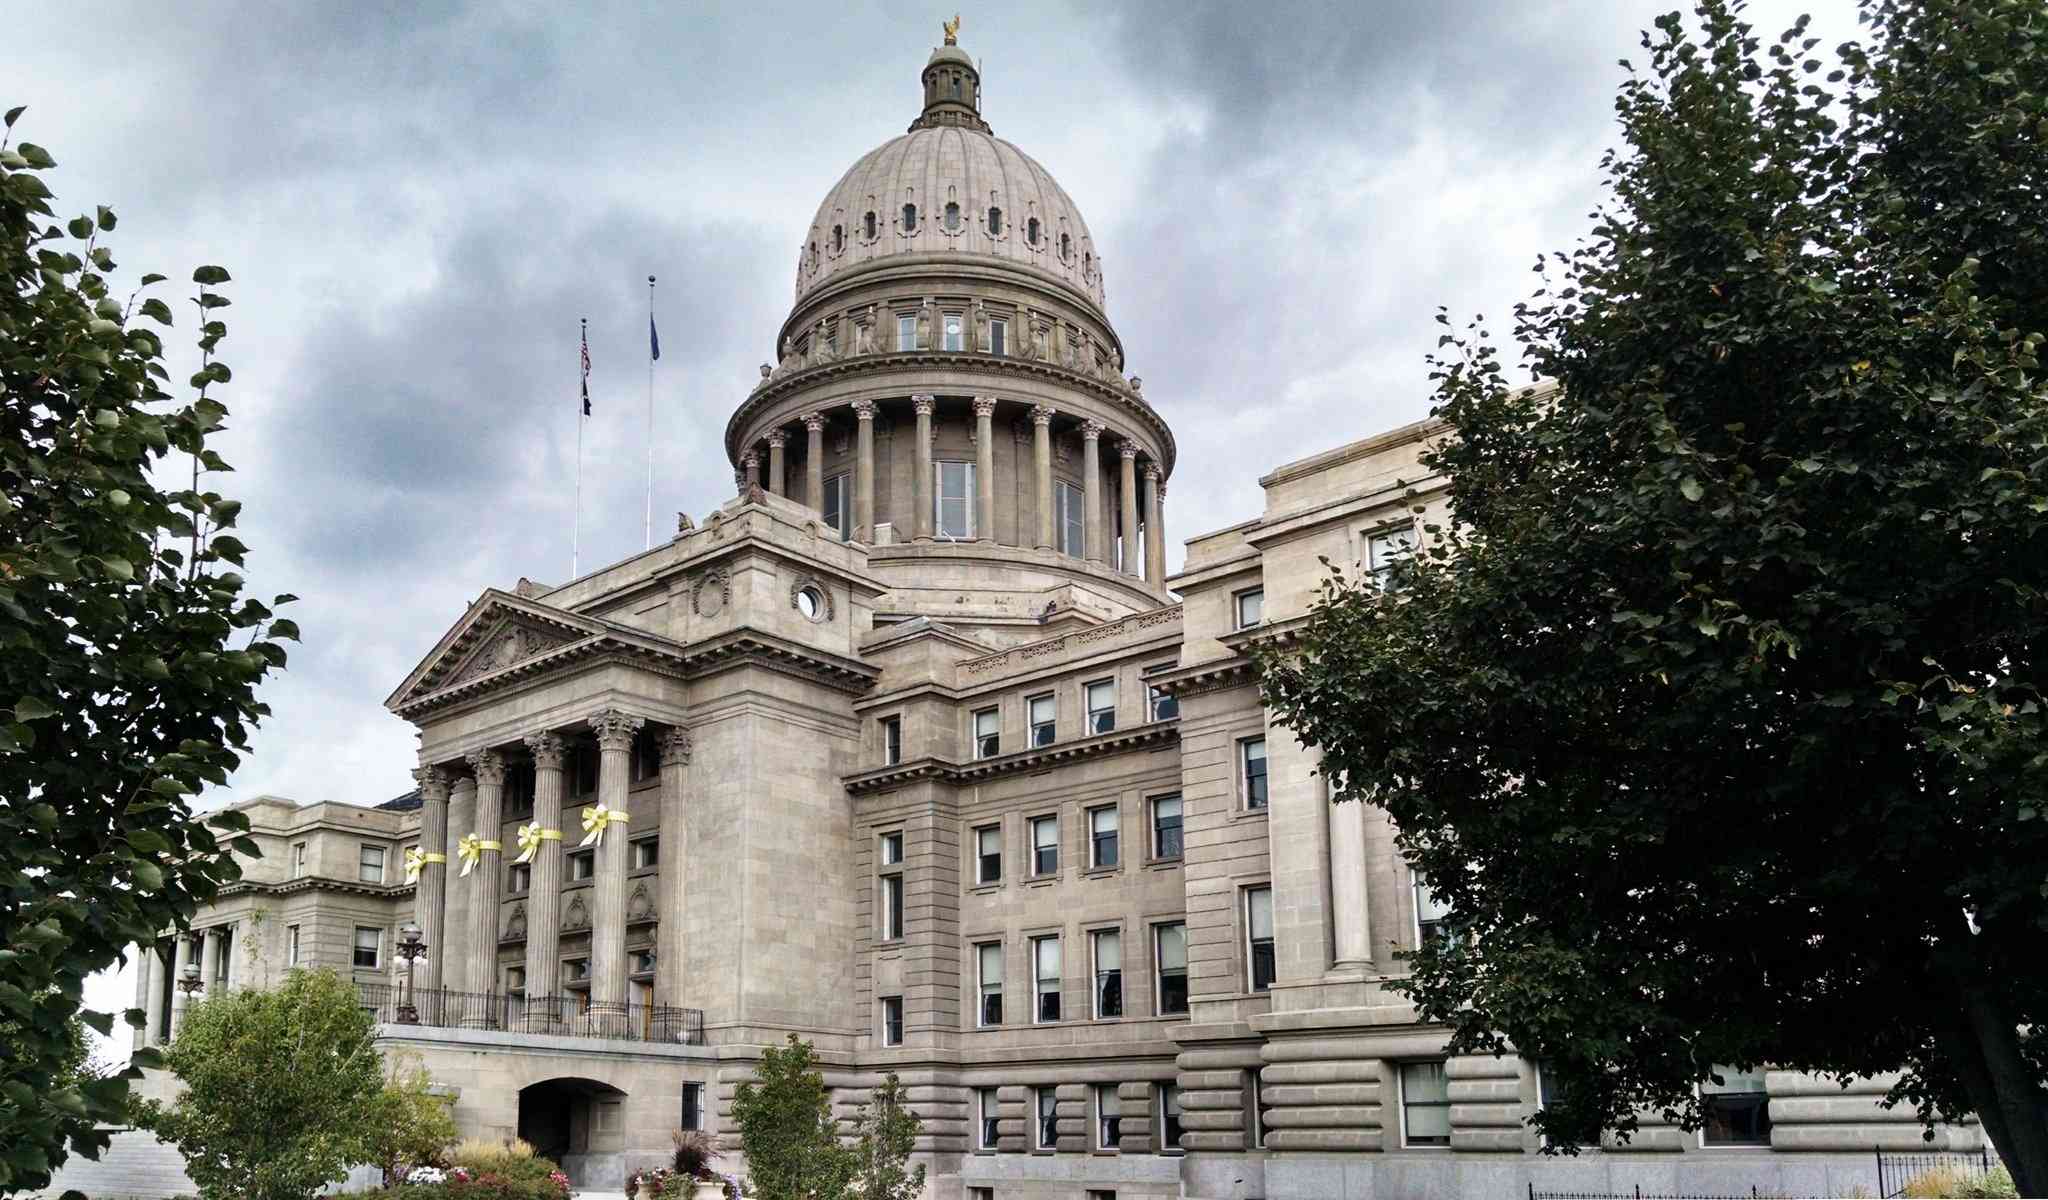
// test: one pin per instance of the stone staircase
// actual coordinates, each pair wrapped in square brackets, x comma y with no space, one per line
[135,1166]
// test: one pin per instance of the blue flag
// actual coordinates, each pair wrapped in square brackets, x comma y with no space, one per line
[653,339]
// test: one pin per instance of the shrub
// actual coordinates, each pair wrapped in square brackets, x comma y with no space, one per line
[1951,1183]
[512,1158]
[695,1152]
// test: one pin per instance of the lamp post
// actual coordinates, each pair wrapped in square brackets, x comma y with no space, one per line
[190,983]
[410,948]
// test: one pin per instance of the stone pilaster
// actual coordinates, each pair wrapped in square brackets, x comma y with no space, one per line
[461,890]
[984,468]
[864,472]
[1041,460]
[430,888]
[921,484]
[1350,924]
[486,877]
[750,467]
[544,890]
[1155,528]
[814,461]
[1091,489]
[777,462]
[615,732]
[669,983]
[1127,451]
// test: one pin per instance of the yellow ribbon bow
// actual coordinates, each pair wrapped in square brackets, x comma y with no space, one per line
[595,819]
[416,861]
[472,848]
[531,835]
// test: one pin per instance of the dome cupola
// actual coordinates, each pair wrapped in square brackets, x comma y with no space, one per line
[952,87]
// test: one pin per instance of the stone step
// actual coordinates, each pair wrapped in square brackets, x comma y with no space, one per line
[134,1166]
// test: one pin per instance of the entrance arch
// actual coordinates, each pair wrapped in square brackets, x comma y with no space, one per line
[580,1123]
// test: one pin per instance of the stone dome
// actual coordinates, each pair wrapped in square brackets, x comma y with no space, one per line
[949,186]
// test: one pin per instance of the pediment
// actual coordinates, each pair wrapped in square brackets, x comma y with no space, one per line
[498,632]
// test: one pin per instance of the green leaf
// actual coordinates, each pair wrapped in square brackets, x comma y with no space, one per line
[1691,488]
[210,275]
[14,114]
[148,876]
[33,708]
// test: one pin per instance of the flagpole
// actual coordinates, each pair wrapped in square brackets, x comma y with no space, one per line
[576,535]
[647,529]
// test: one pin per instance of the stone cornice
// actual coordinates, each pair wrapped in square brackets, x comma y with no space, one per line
[316,883]
[976,671]
[1018,762]
[1235,671]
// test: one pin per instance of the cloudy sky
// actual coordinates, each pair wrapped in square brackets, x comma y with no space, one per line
[417,202]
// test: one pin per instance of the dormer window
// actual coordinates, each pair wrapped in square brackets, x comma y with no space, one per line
[952,218]
[995,222]
[910,218]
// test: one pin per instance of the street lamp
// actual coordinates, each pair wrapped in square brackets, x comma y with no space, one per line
[409,948]
[191,982]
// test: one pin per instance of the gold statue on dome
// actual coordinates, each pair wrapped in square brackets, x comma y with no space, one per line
[952,29]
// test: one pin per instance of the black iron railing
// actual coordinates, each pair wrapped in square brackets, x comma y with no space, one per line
[570,1015]
[1637,1193]
[1894,1171]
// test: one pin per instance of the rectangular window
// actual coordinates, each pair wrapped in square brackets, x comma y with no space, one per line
[1045,958]
[988,854]
[1070,518]
[998,336]
[646,852]
[906,333]
[989,960]
[1168,1108]
[1047,1127]
[988,733]
[640,962]
[892,907]
[1251,757]
[1045,845]
[582,864]
[519,878]
[291,945]
[1170,945]
[956,339]
[1164,705]
[1109,1133]
[1044,719]
[838,510]
[515,981]
[298,860]
[1106,945]
[1258,925]
[1432,916]
[1101,705]
[892,848]
[370,864]
[892,741]
[1550,1094]
[953,499]
[582,772]
[576,970]
[369,949]
[1384,549]
[986,1114]
[644,759]
[1166,841]
[1102,831]
[892,1020]
[1251,607]
[693,1106]
[981,1193]
[1425,1104]
[1737,1109]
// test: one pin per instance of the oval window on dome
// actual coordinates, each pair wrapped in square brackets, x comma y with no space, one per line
[910,218]
[952,218]
[868,225]
[995,222]
[1031,231]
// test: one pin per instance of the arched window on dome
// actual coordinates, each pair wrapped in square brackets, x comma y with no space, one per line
[956,87]
[952,217]
[1066,248]
[1031,231]
[838,238]
[995,222]
[1087,265]
[910,218]
[868,225]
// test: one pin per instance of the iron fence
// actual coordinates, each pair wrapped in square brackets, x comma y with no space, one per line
[1895,1170]
[570,1015]
[1637,1193]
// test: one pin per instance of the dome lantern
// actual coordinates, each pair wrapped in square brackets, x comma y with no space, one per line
[952,87]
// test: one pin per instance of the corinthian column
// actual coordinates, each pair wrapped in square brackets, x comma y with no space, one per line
[777,462]
[984,468]
[1041,456]
[461,889]
[615,732]
[1091,489]
[750,462]
[669,882]
[430,889]
[1155,529]
[814,461]
[1128,476]
[864,472]
[921,484]
[544,887]
[184,951]
[484,877]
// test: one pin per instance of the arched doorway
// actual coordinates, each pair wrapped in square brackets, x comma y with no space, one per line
[580,1124]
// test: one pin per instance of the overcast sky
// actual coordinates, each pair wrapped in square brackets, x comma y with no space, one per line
[417,202]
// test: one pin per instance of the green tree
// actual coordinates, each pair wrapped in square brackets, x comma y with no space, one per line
[283,1089]
[129,655]
[885,1134]
[1714,707]
[409,1123]
[787,1130]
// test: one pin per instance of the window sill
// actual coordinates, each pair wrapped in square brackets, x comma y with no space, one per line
[1041,880]
[983,889]
[1163,864]
[896,943]
[1102,872]
[1246,814]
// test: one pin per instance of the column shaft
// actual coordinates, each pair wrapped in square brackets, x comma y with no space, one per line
[984,469]
[814,461]
[485,878]
[1041,455]
[1091,489]
[777,462]
[921,485]
[430,890]
[669,951]
[544,885]
[750,462]
[864,472]
[1155,530]
[145,975]
[182,955]
[209,958]
[455,928]
[1350,930]
[615,732]
[1129,555]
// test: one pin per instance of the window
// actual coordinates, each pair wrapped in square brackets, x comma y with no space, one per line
[837,513]
[576,970]
[1069,518]
[1166,827]
[988,854]
[1031,231]
[369,949]
[988,735]
[1736,1108]
[952,209]
[1066,247]
[910,218]
[953,499]
[519,791]
[1171,946]
[645,760]
[1169,1118]
[640,962]
[519,879]
[1046,1129]
[1384,549]
[892,741]
[298,860]
[1425,1104]
[870,225]
[995,222]
[1550,1094]
[1101,697]
[956,337]
[838,238]
[892,907]
[1432,915]
[812,603]
[1045,959]
[515,981]
[1107,947]
[981,1193]
[1043,725]
[1251,607]
[986,1116]
[892,849]
[1258,925]
[1109,1132]
[998,335]
[583,769]
[1251,758]
[693,1106]
[1102,831]
[989,959]
[1165,706]
[906,333]
[892,1020]
[291,945]
[370,864]
[582,864]
[646,853]
[1045,845]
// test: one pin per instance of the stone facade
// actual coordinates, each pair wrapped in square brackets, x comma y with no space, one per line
[918,754]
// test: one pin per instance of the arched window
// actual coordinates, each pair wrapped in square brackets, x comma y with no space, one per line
[1066,248]
[1087,263]
[838,238]
[952,217]
[868,225]
[910,218]
[1031,231]
[995,222]
[956,87]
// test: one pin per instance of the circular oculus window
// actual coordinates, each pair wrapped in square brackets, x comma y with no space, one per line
[811,603]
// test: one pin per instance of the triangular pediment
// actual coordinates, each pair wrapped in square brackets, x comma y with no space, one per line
[498,632]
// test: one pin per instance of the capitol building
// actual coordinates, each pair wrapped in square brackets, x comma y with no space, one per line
[915,750]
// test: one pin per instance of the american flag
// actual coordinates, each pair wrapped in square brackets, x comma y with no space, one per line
[586,372]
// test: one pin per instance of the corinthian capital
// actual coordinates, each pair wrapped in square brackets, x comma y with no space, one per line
[923,404]
[814,422]
[777,439]
[615,729]
[1042,414]
[675,746]
[984,406]
[864,410]
[1127,448]
[489,766]
[1090,430]
[548,750]
[1151,472]
[433,783]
